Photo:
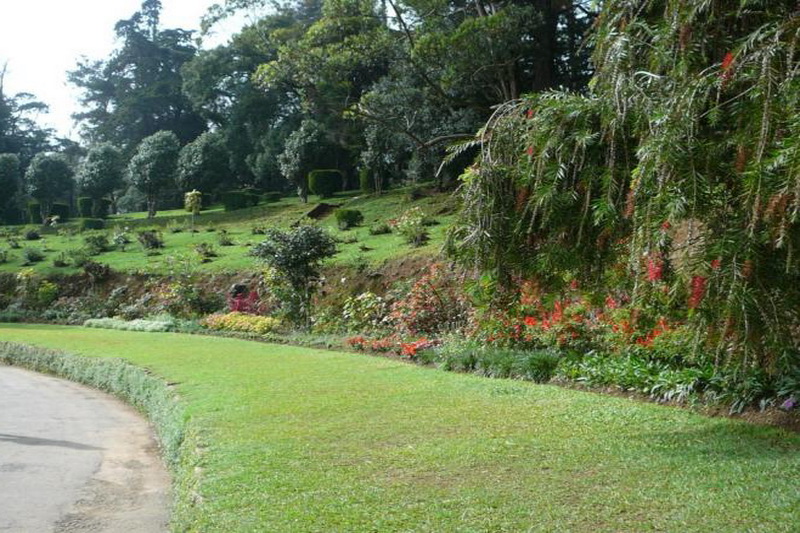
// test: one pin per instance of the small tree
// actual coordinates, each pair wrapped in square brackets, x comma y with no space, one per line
[192,202]
[153,165]
[48,178]
[101,174]
[295,256]
[203,164]
[10,184]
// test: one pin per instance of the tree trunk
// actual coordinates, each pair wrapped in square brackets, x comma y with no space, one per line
[151,207]
[544,65]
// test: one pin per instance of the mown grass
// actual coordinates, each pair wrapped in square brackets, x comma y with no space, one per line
[359,247]
[303,440]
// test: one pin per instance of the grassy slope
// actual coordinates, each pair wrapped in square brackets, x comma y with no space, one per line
[303,440]
[179,252]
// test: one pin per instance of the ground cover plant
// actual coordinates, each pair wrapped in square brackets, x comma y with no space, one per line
[298,439]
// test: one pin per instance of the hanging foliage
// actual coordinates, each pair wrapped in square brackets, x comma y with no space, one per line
[675,179]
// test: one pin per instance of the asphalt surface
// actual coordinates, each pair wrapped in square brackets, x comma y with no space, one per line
[73,459]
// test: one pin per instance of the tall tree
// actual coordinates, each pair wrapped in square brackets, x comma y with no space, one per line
[138,90]
[152,167]
[20,132]
[203,164]
[48,178]
[11,185]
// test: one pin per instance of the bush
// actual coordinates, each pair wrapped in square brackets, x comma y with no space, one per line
[62,211]
[79,257]
[233,200]
[34,213]
[132,325]
[31,256]
[3,256]
[150,239]
[205,251]
[381,228]
[365,182]
[347,218]
[96,271]
[85,207]
[272,197]
[324,183]
[32,235]
[93,224]
[411,225]
[241,322]
[96,244]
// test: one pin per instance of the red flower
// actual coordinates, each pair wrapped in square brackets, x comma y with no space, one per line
[611,303]
[530,113]
[727,61]
[574,284]
[665,226]
[530,321]
[655,269]
[698,291]
[715,264]
[529,151]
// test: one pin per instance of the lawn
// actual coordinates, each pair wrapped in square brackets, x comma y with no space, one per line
[304,440]
[357,246]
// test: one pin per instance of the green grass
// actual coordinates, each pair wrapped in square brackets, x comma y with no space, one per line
[179,252]
[302,440]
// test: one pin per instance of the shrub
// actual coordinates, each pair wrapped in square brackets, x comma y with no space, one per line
[435,304]
[411,226]
[381,228]
[31,256]
[96,271]
[241,322]
[205,251]
[224,238]
[46,293]
[133,325]
[365,312]
[78,257]
[347,218]
[150,239]
[93,224]
[32,235]
[96,244]
[61,260]
[325,183]
[3,256]
[272,197]
[233,200]
[91,208]
[538,366]
[295,256]
[365,182]
[61,211]
[85,207]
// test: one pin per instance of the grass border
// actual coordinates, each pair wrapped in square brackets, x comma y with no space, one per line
[152,396]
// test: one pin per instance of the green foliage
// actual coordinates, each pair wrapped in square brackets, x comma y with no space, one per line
[99,176]
[242,323]
[152,167]
[92,224]
[296,257]
[150,239]
[233,200]
[301,150]
[203,164]
[348,218]
[11,184]
[412,228]
[272,197]
[168,324]
[31,256]
[365,182]
[325,183]
[671,180]
[96,244]
[48,178]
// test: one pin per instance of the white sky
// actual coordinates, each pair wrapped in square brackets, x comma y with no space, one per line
[42,39]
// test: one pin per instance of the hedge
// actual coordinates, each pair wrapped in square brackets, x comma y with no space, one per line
[325,182]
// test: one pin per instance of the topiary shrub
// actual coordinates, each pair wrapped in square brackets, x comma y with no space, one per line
[93,223]
[61,211]
[324,183]
[233,200]
[150,239]
[347,218]
[85,207]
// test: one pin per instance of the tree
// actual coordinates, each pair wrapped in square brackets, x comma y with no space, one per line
[48,178]
[203,164]
[19,131]
[153,166]
[138,90]
[295,256]
[11,185]
[301,151]
[101,174]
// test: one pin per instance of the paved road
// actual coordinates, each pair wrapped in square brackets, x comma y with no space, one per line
[73,459]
